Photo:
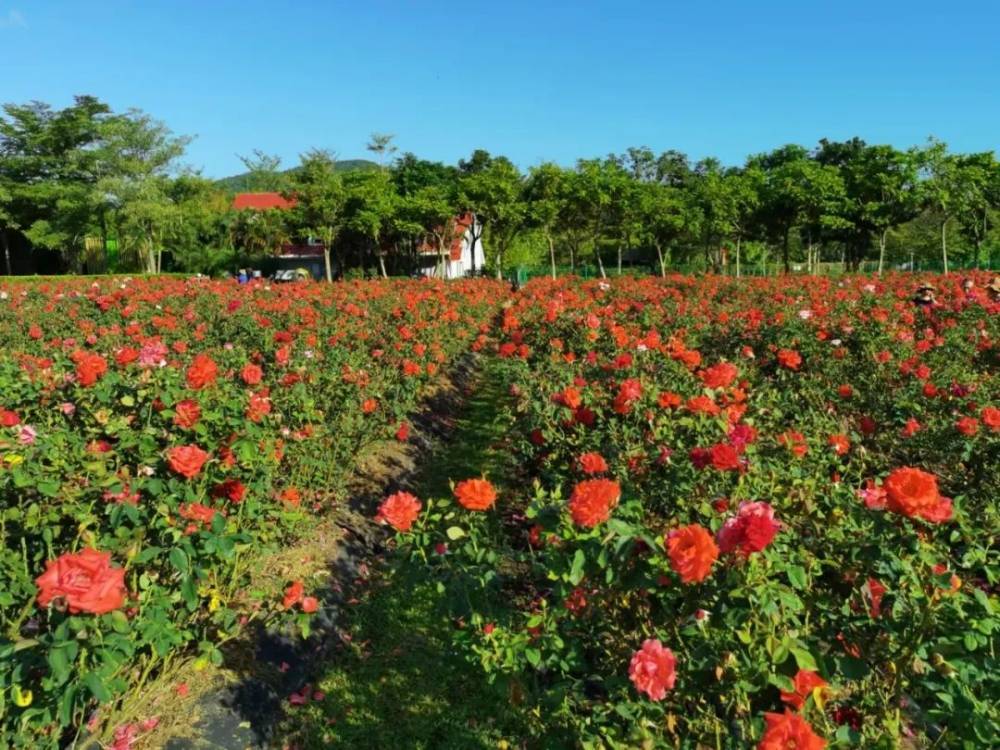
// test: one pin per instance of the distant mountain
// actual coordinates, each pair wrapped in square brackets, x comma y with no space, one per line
[241,183]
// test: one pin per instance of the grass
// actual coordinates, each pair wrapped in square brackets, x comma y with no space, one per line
[399,683]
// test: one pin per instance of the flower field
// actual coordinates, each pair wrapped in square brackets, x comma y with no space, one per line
[748,513]
[157,437]
[738,512]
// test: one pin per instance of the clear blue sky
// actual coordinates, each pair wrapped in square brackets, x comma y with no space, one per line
[533,80]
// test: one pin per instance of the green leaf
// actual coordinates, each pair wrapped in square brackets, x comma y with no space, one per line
[533,655]
[803,658]
[797,576]
[96,687]
[179,559]
[576,572]
[59,664]
[119,622]
[455,533]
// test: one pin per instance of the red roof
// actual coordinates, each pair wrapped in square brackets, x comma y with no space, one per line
[261,201]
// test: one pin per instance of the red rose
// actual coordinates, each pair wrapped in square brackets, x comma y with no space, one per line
[187,460]
[968,426]
[789,730]
[202,372]
[475,494]
[751,530]
[258,405]
[399,510]
[9,418]
[789,359]
[197,512]
[293,594]
[186,413]
[653,669]
[251,374]
[805,682]
[725,457]
[593,463]
[592,501]
[991,418]
[90,367]
[692,552]
[721,375]
[85,581]
[232,489]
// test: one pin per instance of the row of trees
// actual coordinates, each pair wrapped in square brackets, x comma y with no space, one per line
[85,171]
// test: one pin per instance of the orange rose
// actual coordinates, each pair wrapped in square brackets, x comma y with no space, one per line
[85,581]
[789,730]
[914,494]
[692,552]
[592,501]
[202,372]
[475,494]
[90,367]
[399,510]
[187,460]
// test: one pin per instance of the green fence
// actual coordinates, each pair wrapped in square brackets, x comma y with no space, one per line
[522,274]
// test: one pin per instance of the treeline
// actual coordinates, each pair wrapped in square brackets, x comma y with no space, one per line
[71,179]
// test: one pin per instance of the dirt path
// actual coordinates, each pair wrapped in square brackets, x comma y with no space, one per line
[396,681]
[374,645]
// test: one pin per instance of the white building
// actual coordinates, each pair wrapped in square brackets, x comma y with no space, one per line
[463,258]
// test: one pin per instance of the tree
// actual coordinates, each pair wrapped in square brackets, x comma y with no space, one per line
[143,215]
[663,218]
[319,197]
[884,191]
[7,223]
[625,216]
[544,195]
[743,189]
[783,193]
[979,192]
[942,189]
[381,145]
[69,169]
[263,173]
[433,208]
[494,195]
[369,209]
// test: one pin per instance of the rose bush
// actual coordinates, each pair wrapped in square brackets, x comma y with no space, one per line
[743,495]
[157,436]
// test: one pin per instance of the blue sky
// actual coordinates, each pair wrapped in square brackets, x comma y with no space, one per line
[532,80]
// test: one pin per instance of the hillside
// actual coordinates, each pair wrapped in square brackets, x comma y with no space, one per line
[243,182]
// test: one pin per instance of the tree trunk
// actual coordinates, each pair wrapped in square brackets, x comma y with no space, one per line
[326,261]
[944,244]
[619,259]
[600,262]
[552,253]
[881,251]
[572,258]
[784,252]
[738,239]
[381,265]
[6,251]
[663,266]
